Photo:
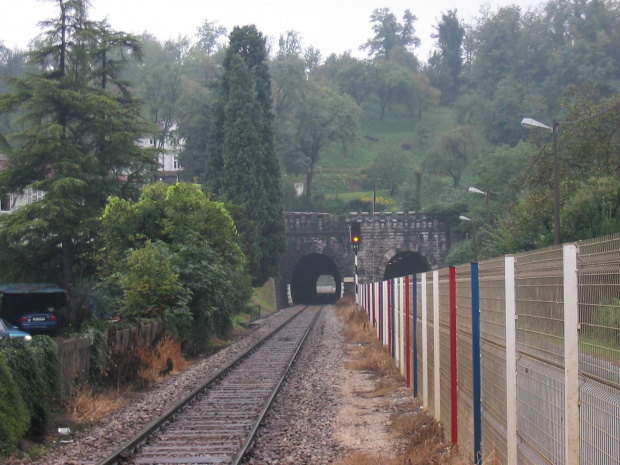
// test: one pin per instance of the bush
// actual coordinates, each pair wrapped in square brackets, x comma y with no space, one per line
[46,352]
[28,374]
[14,416]
[460,253]
[100,357]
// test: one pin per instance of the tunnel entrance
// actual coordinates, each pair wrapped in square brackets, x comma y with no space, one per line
[405,263]
[315,281]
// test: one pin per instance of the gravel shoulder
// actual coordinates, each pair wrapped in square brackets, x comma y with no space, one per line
[326,412]
[323,414]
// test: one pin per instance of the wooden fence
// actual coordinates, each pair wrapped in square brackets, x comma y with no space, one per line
[74,353]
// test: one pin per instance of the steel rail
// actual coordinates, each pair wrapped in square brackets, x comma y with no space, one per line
[250,438]
[148,430]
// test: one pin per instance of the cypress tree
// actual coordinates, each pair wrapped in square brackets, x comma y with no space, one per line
[241,164]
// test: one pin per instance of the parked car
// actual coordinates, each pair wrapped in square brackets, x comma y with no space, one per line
[15,332]
[4,331]
[38,323]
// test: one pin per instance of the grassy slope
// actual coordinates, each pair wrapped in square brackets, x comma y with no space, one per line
[265,297]
[342,175]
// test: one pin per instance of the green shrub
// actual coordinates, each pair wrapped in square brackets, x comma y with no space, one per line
[606,322]
[99,357]
[28,375]
[14,416]
[46,352]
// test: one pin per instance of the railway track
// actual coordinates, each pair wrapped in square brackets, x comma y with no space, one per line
[216,423]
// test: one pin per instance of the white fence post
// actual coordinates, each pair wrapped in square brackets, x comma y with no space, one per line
[571,354]
[436,345]
[403,323]
[511,359]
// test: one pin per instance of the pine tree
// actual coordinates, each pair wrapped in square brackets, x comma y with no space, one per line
[241,165]
[78,148]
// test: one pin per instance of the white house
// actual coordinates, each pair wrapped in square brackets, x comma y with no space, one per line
[169,170]
[170,146]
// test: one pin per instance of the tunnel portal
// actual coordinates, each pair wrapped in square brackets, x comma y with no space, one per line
[306,274]
[405,263]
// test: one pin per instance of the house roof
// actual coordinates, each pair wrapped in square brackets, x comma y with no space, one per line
[30,288]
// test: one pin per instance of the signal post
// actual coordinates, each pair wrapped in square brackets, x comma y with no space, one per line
[356,239]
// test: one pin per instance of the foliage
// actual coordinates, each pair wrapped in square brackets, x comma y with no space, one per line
[604,321]
[241,163]
[99,357]
[390,35]
[208,35]
[588,149]
[461,252]
[593,211]
[77,146]
[149,284]
[445,66]
[391,167]
[323,118]
[46,352]
[14,414]
[177,231]
[27,368]
[365,204]
[452,153]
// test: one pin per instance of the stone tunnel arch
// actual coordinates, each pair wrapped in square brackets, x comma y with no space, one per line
[403,263]
[304,279]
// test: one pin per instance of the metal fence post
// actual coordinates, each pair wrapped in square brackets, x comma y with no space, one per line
[424,344]
[511,359]
[571,354]
[453,361]
[475,344]
[436,353]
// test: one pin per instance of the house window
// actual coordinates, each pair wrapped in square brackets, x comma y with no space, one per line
[5,203]
[34,195]
[175,163]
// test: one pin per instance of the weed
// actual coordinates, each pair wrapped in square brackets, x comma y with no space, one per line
[86,407]
[421,435]
[158,362]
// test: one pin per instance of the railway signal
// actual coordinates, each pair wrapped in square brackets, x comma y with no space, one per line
[356,235]
[355,231]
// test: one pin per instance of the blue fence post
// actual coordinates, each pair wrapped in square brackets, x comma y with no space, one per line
[415,335]
[475,329]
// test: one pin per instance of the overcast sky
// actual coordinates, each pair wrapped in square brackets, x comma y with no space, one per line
[332,26]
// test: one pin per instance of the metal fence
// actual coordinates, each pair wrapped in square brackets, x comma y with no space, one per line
[518,357]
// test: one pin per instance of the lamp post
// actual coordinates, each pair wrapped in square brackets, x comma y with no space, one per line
[530,123]
[486,201]
[473,227]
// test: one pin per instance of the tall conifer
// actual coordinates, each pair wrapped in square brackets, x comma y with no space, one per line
[241,165]
[78,147]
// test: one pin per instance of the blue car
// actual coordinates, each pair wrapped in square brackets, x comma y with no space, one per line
[39,323]
[12,331]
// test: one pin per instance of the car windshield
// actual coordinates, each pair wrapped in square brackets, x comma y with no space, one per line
[7,324]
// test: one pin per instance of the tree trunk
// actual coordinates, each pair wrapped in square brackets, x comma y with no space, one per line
[67,264]
[309,176]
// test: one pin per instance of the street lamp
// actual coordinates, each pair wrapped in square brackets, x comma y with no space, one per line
[486,201]
[473,227]
[530,123]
